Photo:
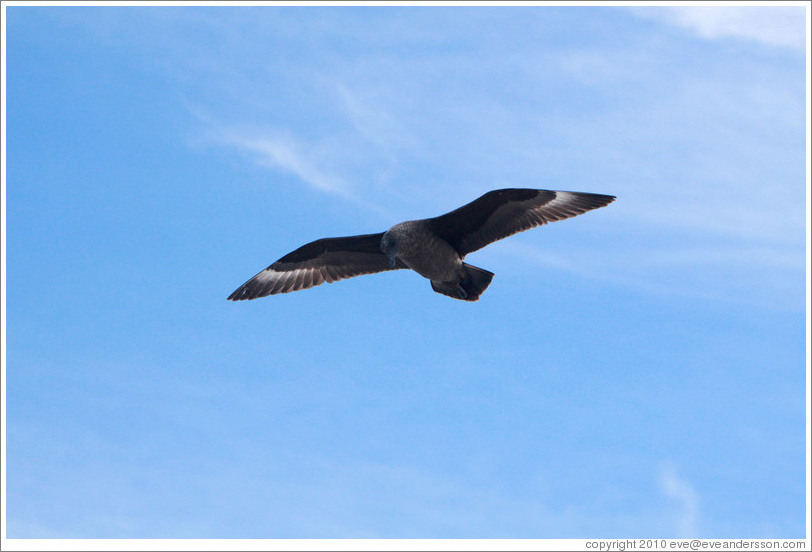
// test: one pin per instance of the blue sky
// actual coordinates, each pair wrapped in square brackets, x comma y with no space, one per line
[637,371]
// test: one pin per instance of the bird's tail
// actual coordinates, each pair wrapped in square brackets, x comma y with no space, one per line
[469,288]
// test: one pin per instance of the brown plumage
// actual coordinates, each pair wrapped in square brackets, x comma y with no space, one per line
[433,247]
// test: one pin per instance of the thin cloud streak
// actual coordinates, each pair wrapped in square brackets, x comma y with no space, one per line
[283,153]
[287,155]
[772,26]
[375,124]
[760,276]
[686,498]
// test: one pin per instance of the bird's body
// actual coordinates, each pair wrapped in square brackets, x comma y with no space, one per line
[424,252]
[433,247]
[416,245]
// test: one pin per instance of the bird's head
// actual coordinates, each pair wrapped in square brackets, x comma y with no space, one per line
[389,245]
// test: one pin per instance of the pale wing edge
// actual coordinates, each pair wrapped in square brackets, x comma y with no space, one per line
[512,218]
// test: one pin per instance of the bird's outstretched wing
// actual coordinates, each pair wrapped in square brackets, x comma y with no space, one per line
[325,260]
[501,213]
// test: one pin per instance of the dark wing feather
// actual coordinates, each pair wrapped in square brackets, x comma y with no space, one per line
[502,213]
[325,260]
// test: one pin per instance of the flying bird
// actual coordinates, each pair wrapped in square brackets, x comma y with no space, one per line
[432,247]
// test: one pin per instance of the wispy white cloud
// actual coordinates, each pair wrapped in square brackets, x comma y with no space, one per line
[700,154]
[281,152]
[374,122]
[707,272]
[288,155]
[681,493]
[783,26]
